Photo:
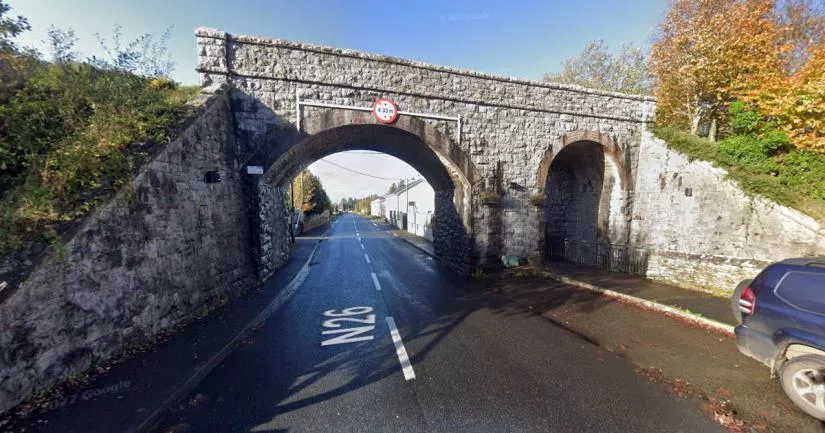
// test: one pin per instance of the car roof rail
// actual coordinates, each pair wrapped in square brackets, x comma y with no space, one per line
[815,262]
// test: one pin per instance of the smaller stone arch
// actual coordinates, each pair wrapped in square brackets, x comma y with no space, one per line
[611,150]
[586,185]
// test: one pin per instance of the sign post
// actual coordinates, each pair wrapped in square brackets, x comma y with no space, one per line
[385,111]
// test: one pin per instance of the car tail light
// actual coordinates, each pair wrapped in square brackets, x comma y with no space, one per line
[747,301]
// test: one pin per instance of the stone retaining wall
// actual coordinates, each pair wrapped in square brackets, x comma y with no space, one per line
[270,225]
[165,247]
[702,230]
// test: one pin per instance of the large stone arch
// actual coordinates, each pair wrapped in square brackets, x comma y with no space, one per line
[337,130]
[434,155]
[586,184]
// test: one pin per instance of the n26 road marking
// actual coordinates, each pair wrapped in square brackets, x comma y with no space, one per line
[347,316]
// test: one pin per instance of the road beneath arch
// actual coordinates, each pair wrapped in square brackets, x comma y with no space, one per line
[380,338]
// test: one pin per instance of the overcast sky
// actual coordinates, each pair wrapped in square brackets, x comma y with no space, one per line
[516,38]
[340,183]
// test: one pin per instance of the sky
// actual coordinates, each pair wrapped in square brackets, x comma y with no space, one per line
[524,39]
[342,183]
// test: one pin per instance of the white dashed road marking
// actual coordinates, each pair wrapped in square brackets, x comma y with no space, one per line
[367,258]
[375,282]
[406,366]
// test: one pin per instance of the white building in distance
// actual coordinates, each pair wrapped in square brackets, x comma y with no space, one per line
[416,201]
[377,207]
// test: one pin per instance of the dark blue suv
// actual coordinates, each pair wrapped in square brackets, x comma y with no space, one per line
[782,324]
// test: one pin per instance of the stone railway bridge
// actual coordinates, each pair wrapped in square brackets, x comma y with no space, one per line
[522,168]
[471,135]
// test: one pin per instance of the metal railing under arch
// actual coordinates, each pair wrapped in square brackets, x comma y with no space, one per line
[615,257]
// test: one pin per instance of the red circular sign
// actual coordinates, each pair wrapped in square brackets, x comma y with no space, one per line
[384,110]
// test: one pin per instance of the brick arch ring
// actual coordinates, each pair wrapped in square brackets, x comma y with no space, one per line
[340,130]
[612,152]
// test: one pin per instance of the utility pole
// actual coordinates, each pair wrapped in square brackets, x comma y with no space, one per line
[407,212]
[292,210]
[302,202]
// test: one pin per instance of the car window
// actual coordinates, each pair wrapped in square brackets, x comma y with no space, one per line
[803,290]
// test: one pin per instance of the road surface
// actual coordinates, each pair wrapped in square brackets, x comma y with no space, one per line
[381,338]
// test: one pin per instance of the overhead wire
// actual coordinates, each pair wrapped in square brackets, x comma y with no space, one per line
[368,152]
[358,172]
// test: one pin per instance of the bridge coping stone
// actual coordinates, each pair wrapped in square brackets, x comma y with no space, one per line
[206,32]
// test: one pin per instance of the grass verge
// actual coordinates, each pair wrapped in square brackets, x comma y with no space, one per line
[786,175]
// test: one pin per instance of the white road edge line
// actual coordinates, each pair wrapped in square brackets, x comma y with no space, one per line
[667,309]
[375,282]
[406,366]
[151,421]
[367,258]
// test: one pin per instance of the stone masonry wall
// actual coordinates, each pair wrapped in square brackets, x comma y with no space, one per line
[272,247]
[701,230]
[505,121]
[164,247]
[450,238]
[520,219]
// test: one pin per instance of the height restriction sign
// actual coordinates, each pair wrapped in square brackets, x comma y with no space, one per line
[384,110]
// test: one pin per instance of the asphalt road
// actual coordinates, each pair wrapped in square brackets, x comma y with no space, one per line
[380,338]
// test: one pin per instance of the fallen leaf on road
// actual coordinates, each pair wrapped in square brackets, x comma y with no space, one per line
[197,400]
[723,413]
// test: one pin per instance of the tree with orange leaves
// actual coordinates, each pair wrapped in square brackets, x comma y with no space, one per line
[709,53]
[803,29]
[798,103]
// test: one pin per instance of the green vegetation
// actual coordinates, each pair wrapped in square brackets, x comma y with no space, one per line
[490,197]
[539,198]
[760,158]
[71,133]
[361,205]
[752,77]
[479,274]
[596,67]
[759,89]
[692,146]
[309,194]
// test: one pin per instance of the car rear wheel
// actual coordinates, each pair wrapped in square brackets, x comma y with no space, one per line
[735,300]
[803,379]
